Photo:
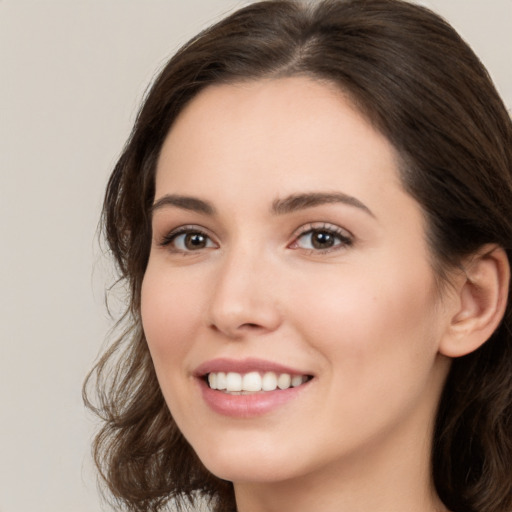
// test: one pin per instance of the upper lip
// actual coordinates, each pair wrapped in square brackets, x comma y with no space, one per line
[244,366]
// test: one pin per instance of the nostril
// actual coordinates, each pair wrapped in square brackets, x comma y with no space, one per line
[242,327]
[250,326]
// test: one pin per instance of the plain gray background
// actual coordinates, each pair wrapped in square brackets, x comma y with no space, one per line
[72,73]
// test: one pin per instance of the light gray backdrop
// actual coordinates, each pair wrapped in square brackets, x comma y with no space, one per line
[72,73]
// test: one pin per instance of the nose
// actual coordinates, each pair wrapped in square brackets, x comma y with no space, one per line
[244,299]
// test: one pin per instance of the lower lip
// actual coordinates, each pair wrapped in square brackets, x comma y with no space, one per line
[251,405]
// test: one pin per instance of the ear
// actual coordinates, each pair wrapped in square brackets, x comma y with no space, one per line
[480,302]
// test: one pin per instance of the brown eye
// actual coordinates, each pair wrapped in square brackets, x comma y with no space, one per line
[322,239]
[194,241]
[188,240]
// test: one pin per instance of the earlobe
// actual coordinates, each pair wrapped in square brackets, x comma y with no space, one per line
[482,293]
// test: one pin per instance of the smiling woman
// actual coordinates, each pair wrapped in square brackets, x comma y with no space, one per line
[314,214]
[338,295]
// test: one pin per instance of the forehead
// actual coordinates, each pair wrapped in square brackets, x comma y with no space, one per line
[281,136]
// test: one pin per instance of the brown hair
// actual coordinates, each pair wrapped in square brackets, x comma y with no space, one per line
[414,78]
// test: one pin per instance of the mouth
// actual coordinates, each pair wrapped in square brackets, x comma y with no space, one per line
[251,387]
[235,383]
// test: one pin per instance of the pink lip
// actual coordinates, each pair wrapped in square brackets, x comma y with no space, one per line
[251,405]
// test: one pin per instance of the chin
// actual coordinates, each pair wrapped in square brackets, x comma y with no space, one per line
[249,464]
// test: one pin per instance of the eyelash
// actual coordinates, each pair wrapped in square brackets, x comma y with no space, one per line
[170,239]
[342,238]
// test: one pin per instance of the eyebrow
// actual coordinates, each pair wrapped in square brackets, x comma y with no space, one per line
[283,206]
[309,200]
[185,203]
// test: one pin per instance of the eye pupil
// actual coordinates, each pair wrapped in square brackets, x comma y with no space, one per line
[195,241]
[322,240]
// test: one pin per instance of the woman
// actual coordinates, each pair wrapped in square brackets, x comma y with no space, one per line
[314,217]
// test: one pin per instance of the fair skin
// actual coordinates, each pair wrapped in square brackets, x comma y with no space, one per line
[284,242]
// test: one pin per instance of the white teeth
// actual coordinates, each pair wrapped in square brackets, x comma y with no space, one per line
[269,382]
[284,380]
[221,380]
[297,380]
[251,382]
[233,382]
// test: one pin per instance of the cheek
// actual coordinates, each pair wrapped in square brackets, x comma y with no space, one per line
[370,322]
[379,346]
[169,317]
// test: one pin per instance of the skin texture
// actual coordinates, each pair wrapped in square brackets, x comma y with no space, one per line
[364,318]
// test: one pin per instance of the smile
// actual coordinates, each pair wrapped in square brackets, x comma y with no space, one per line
[251,387]
[253,382]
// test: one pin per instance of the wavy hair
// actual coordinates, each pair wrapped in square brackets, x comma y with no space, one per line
[421,86]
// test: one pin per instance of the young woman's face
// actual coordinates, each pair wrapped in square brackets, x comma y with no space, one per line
[286,254]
